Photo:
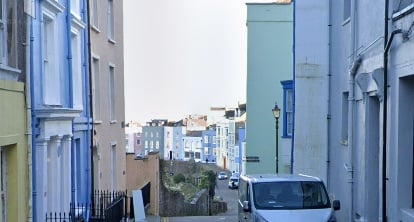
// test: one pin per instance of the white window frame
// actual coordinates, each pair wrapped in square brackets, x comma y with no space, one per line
[95,15]
[8,59]
[96,92]
[111,22]
[113,166]
[75,8]
[51,76]
[112,96]
[77,26]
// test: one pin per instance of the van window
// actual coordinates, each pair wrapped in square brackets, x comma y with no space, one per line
[290,195]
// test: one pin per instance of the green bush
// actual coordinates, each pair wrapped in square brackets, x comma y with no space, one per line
[179,178]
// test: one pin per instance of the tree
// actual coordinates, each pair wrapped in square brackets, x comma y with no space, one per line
[208,181]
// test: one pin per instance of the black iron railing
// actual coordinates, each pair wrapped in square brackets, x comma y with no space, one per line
[106,206]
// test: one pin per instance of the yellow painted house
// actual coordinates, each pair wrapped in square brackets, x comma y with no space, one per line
[14,162]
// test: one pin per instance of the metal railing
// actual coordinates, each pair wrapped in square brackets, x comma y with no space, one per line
[108,206]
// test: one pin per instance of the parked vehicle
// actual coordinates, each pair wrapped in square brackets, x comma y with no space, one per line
[293,198]
[233,182]
[222,175]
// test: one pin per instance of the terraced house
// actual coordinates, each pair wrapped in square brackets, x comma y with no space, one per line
[61,119]
[14,113]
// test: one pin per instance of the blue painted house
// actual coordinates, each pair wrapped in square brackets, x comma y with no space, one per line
[209,145]
[61,123]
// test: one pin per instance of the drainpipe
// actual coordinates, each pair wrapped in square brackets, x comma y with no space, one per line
[292,149]
[384,117]
[387,45]
[328,118]
[88,105]
[70,74]
[30,87]
[351,102]
[356,61]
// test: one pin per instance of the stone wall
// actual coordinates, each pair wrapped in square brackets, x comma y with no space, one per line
[172,202]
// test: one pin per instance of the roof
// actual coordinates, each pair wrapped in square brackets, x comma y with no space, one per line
[255,178]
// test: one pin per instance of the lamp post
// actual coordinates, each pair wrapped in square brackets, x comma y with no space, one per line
[276,114]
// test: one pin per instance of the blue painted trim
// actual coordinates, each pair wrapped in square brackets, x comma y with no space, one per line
[287,85]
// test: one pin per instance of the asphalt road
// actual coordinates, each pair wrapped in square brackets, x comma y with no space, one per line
[228,195]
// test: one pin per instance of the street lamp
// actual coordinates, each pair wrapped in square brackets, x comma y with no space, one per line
[276,114]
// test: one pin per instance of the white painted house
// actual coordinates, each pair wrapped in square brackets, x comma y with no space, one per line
[349,129]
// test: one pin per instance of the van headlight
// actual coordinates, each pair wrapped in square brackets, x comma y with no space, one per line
[332,218]
[259,218]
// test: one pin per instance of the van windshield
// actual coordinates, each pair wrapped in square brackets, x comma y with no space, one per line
[290,195]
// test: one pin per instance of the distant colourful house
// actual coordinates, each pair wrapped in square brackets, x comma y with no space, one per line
[209,145]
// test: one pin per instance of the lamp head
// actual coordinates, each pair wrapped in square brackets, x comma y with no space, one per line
[276,111]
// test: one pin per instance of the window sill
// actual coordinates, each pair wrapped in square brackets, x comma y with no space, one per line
[98,122]
[111,40]
[407,214]
[403,12]
[113,122]
[96,29]
[346,21]
[9,73]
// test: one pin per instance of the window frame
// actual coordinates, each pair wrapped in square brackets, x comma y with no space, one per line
[112,93]
[288,111]
[111,22]
[52,79]
[96,93]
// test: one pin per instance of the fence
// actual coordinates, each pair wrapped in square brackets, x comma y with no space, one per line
[106,206]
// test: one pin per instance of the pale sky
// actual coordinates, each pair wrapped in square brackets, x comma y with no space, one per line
[183,57]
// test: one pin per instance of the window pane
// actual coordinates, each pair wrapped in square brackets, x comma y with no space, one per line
[110,19]
[11,34]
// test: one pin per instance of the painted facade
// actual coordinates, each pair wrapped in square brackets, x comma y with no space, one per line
[153,137]
[133,131]
[192,148]
[209,145]
[269,61]
[60,115]
[353,53]
[240,138]
[178,151]
[222,144]
[108,103]
[15,152]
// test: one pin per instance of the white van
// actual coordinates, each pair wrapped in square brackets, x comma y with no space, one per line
[293,198]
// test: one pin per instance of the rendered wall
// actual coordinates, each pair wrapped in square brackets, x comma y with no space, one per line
[142,171]
[269,61]
[13,139]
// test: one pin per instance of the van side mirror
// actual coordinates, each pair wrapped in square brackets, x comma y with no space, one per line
[246,206]
[336,205]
